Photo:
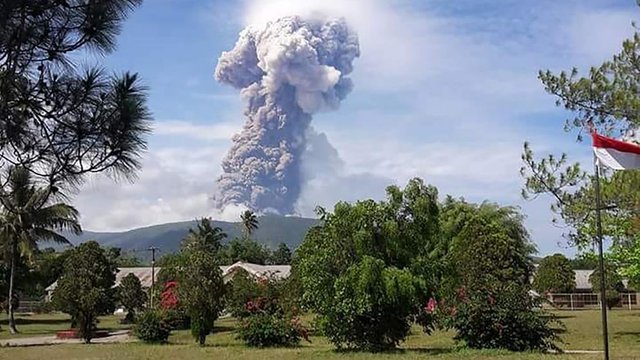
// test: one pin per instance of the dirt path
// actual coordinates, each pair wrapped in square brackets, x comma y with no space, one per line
[119,336]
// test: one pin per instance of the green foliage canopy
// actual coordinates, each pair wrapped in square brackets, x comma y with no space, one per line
[370,264]
[85,290]
[201,291]
[131,296]
[281,256]
[554,274]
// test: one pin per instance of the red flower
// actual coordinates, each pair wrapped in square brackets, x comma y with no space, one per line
[431,306]
[169,297]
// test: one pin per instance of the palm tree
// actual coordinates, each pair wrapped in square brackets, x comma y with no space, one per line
[205,235]
[249,222]
[28,216]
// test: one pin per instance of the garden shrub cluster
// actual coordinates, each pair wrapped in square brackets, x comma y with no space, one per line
[266,320]
[265,330]
[367,267]
[175,314]
[371,269]
[152,327]
[505,317]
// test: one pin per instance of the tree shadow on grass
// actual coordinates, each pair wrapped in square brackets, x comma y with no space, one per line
[400,352]
[23,321]
[561,317]
[627,334]
[217,345]
[222,329]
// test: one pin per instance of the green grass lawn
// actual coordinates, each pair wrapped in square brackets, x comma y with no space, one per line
[49,324]
[582,333]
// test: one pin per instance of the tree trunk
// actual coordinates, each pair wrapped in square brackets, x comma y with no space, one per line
[12,320]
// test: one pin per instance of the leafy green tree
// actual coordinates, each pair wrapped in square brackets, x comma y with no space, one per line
[131,296]
[369,265]
[282,255]
[585,261]
[59,120]
[555,274]
[85,290]
[246,250]
[613,284]
[122,259]
[486,239]
[375,301]
[49,265]
[606,99]
[201,291]
[250,223]
[28,216]
[205,236]
[628,258]
[484,293]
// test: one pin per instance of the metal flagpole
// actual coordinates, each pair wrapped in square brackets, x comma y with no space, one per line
[603,292]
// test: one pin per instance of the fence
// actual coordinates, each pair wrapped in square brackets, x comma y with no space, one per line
[577,301]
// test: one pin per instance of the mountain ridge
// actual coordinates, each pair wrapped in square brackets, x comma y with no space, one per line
[272,230]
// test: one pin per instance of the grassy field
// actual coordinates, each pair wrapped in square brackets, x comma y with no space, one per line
[582,333]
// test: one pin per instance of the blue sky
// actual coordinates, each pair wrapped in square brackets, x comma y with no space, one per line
[444,90]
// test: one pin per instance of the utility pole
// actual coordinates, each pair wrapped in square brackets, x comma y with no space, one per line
[603,292]
[153,250]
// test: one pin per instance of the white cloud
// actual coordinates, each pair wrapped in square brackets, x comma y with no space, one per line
[175,184]
[216,131]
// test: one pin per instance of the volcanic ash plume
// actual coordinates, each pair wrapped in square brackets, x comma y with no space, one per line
[286,71]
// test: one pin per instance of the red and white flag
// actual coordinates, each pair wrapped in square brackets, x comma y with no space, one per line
[616,154]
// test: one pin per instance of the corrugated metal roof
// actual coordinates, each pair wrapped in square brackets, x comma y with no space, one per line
[144,273]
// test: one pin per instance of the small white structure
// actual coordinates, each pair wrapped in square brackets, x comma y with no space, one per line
[228,272]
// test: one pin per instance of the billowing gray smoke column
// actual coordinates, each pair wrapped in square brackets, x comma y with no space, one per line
[286,70]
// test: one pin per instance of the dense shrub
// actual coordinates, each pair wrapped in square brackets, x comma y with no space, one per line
[266,316]
[506,317]
[368,266]
[243,288]
[487,285]
[175,315]
[372,309]
[264,330]
[151,327]
[177,319]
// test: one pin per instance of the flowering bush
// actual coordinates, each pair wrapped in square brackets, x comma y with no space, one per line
[264,321]
[264,330]
[175,316]
[506,317]
[169,297]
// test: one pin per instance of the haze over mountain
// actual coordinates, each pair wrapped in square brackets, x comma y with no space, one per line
[272,231]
